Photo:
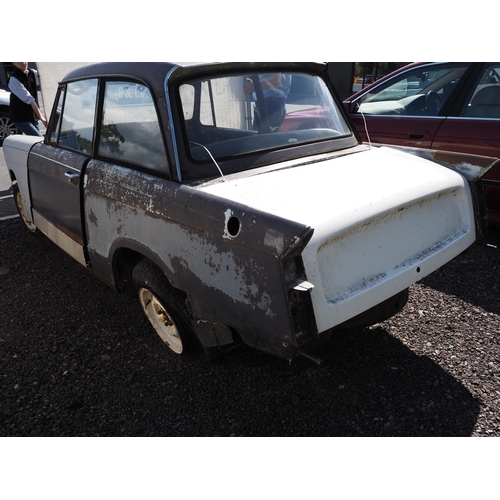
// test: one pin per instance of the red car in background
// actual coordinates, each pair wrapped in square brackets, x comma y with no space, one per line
[443,106]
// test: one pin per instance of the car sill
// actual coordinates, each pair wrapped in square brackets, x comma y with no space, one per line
[62,240]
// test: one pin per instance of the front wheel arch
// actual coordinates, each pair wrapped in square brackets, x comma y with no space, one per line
[21,210]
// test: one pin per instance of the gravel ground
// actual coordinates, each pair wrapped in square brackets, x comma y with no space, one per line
[77,359]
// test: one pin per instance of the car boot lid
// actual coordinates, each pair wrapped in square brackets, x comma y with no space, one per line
[342,191]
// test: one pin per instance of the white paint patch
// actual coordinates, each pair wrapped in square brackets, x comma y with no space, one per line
[227,215]
[274,239]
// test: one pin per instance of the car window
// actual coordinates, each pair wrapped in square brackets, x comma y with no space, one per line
[484,99]
[225,116]
[53,132]
[130,131]
[77,121]
[420,92]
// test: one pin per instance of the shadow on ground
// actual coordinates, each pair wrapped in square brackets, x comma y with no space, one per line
[77,359]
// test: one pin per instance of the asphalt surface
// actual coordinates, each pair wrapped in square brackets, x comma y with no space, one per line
[7,206]
[78,359]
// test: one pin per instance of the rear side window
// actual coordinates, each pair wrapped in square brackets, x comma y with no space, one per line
[484,100]
[77,119]
[130,131]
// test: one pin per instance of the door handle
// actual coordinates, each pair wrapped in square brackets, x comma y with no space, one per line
[419,134]
[72,177]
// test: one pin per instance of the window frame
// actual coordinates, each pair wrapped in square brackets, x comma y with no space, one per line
[56,118]
[448,105]
[56,121]
[166,172]
[193,171]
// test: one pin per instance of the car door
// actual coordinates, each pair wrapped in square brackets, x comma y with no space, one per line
[474,127]
[410,108]
[56,167]
[398,130]
[128,179]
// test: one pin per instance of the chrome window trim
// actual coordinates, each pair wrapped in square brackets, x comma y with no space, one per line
[65,165]
[172,128]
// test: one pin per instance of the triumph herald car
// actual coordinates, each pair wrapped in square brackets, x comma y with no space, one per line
[238,203]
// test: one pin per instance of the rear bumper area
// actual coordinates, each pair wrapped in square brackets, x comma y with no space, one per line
[377,314]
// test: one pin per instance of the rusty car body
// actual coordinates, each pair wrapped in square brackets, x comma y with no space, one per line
[154,177]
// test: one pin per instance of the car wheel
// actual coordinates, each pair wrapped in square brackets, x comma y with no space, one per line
[165,308]
[6,126]
[21,210]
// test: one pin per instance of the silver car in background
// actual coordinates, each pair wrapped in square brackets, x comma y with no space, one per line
[6,126]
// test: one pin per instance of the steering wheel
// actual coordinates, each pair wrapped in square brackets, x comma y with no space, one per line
[433,103]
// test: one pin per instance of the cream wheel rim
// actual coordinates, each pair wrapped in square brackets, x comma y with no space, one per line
[161,320]
[22,213]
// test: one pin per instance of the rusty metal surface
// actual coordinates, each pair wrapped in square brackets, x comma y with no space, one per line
[236,280]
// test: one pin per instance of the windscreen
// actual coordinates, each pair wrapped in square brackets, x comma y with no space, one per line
[247,113]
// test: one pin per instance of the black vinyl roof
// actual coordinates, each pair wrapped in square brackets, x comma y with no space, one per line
[155,73]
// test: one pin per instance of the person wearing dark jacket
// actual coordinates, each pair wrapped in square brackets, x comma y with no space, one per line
[24,111]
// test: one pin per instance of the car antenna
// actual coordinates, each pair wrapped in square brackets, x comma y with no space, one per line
[366,129]
[210,154]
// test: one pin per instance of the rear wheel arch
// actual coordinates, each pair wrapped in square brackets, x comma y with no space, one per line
[124,260]
[167,310]
[134,269]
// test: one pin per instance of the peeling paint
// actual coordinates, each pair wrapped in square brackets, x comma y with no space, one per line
[274,239]
[184,250]
[227,215]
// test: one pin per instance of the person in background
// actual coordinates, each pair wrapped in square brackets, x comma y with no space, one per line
[23,109]
[275,88]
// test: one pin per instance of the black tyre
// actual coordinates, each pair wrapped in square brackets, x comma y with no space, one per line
[21,210]
[6,126]
[165,308]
